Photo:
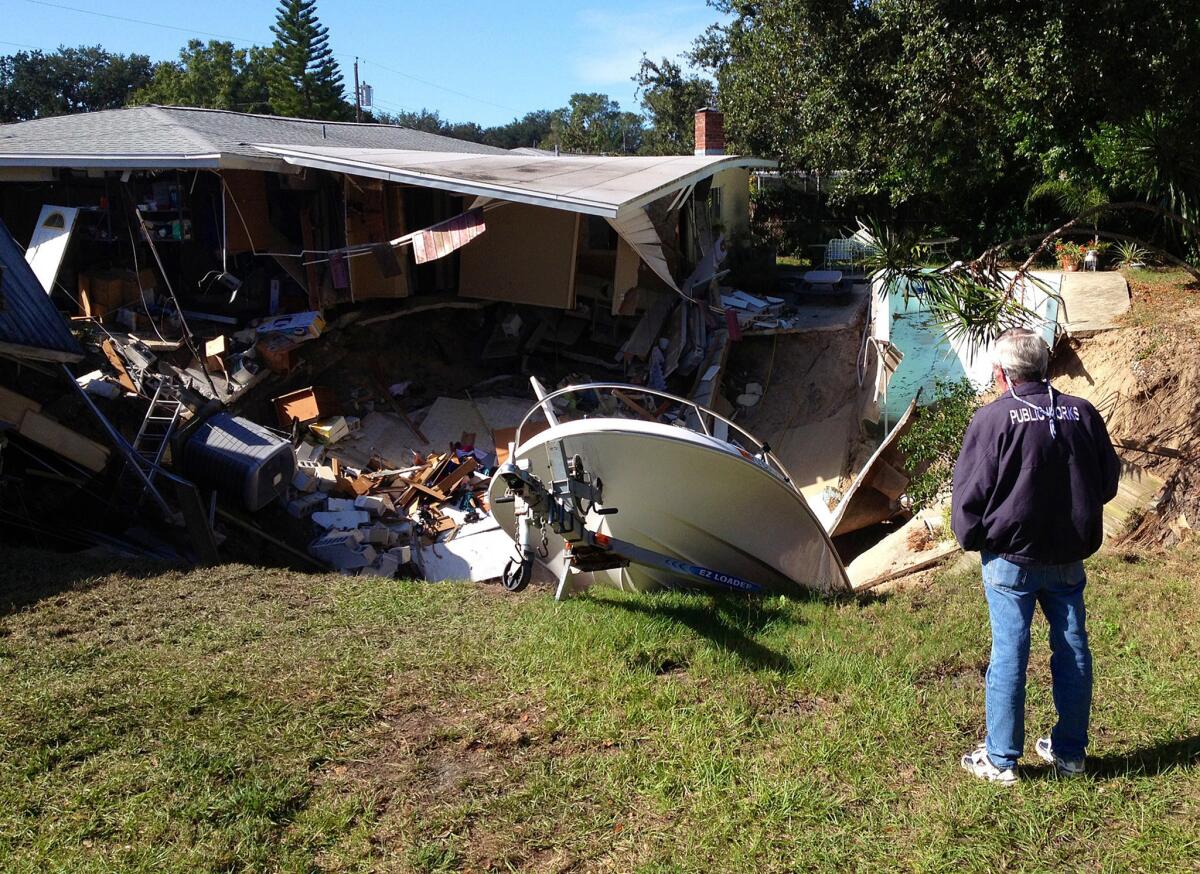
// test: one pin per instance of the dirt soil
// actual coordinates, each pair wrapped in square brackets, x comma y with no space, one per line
[808,412]
[809,379]
[1145,379]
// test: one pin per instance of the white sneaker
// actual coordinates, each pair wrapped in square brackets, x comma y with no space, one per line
[1064,767]
[978,763]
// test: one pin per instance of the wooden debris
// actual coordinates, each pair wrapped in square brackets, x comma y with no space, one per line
[118,364]
[448,483]
[44,431]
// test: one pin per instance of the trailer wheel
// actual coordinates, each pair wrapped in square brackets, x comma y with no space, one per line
[517,574]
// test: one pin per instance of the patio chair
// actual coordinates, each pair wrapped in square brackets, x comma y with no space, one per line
[845,253]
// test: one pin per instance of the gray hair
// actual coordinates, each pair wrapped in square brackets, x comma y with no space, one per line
[1023,355]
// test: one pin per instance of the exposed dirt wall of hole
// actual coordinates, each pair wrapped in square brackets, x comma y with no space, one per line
[813,377]
[1146,383]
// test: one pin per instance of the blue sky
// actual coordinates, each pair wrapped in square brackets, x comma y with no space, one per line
[471,61]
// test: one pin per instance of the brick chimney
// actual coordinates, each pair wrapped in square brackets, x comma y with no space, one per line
[710,132]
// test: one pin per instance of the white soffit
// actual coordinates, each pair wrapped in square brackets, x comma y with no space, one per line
[639,232]
[594,185]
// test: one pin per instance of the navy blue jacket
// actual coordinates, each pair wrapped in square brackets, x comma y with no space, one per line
[1025,495]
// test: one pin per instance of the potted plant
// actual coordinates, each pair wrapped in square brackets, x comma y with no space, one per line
[1070,255]
[1130,254]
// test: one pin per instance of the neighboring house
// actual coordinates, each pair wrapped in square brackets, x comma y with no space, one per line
[290,208]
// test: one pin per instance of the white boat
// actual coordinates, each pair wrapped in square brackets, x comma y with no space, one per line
[644,505]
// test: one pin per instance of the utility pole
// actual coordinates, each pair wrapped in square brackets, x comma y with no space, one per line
[357,95]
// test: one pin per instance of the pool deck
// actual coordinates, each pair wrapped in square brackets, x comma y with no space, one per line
[1094,302]
[822,316]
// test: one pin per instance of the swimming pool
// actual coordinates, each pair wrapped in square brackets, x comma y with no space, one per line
[929,355]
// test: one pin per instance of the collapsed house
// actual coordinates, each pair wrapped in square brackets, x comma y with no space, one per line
[208,262]
[311,206]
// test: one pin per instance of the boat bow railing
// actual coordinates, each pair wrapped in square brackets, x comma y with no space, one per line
[753,448]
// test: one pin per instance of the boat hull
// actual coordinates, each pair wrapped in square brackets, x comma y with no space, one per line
[692,498]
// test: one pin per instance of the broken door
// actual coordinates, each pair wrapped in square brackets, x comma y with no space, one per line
[48,246]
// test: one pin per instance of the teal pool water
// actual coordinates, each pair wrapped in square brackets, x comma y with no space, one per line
[929,356]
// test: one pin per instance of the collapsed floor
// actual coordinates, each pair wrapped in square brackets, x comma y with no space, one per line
[395,421]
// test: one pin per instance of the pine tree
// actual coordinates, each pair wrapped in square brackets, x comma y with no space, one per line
[305,80]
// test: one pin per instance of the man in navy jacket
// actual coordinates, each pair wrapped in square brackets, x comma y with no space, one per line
[1035,471]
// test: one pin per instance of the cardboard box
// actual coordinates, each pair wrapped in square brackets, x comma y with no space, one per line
[215,351]
[330,430]
[278,353]
[307,405]
[297,326]
[102,291]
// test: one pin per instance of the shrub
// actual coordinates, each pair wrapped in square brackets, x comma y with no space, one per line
[935,438]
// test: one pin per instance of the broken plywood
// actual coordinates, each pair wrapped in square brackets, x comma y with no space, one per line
[44,431]
[895,556]
[1136,489]
[874,495]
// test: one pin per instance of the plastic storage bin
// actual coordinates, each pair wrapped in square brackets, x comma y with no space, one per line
[240,460]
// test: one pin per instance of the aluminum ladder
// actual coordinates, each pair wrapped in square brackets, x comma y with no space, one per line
[151,443]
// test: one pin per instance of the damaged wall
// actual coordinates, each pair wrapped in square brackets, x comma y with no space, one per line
[732,212]
[526,256]
[375,213]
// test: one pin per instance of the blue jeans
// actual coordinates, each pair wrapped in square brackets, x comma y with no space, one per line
[1012,593]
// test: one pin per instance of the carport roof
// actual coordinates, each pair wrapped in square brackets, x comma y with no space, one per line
[595,185]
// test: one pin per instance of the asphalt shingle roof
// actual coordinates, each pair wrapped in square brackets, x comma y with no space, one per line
[173,130]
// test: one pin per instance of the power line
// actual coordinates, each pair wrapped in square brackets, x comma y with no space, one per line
[242,39]
[130,20]
[436,85]
[23,45]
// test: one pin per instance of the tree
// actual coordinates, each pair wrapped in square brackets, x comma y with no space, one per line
[431,121]
[594,124]
[305,80]
[214,75]
[529,131]
[935,108]
[1155,157]
[670,100]
[36,85]
[427,120]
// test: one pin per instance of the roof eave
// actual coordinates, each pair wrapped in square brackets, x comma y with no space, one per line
[729,163]
[147,161]
[73,161]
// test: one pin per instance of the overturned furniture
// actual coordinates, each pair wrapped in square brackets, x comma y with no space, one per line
[642,504]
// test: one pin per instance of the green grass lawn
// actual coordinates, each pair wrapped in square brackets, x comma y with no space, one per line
[245,719]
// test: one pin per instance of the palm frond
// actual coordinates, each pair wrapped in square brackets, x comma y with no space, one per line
[1072,196]
[973,301]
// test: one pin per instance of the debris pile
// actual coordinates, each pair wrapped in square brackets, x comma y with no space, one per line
[379,519]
